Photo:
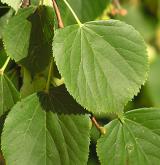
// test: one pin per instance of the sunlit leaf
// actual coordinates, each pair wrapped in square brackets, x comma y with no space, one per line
[135,141]
[103,63]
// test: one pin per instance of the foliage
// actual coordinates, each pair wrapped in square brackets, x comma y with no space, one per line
[66,78]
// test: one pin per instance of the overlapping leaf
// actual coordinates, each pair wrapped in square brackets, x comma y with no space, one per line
[17,34]
[32,85]
[136,141]
[86,10]
[14,4]
[3,55]
[103,63]
[31,46]
[8,94]
[33,134]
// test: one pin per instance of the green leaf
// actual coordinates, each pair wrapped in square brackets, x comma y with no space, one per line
[86,10]
[63,102]
[3,21]
[14,76]
[33,134]
[14,4]
[103,63]
[32,85]
[136,141]
[8,94]
[40,48]
[17,45]
[3,55]
[32,45]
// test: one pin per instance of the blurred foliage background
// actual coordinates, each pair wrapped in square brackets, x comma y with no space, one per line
[144,15]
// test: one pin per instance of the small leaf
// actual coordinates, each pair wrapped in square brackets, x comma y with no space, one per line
[8,94]
[14,4]
[103,63]
[32,46]
[17,34]
[33,134]
[136,141]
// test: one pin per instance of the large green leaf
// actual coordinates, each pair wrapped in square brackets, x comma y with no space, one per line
[136,141]
[32,44]
[86,10]
[34,134]
[8,94]
[103,63]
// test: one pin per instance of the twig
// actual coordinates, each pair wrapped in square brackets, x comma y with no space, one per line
[117,4]
[60,25]
[25,3]
[100,128]
[118,9]
[58,14]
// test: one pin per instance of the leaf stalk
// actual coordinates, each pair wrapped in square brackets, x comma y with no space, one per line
[100,128]
[58,14]
[4,66]
[49,75]
[74,14]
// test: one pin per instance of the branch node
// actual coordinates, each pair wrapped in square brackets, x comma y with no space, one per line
[98,126]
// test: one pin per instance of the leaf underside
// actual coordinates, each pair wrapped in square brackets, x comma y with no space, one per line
[103,63]
[136,141]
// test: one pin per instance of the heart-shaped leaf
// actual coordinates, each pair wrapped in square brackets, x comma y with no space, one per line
[136,141]
[103,63]
[34,134]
